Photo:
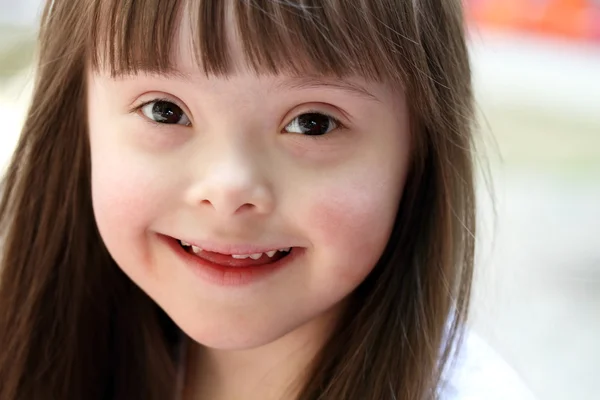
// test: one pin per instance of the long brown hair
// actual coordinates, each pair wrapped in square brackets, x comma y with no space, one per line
[73,326]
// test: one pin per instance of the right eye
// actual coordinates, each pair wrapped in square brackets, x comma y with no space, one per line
[165,112]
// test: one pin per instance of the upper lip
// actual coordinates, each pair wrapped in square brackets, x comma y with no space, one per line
[229,249]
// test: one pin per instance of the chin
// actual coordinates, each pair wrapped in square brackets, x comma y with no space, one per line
[232,335]
[244,340]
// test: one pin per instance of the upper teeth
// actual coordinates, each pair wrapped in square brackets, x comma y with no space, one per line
[254,256]
[196,249]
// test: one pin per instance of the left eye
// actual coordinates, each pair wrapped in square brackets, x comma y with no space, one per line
[312,124]
[165,112]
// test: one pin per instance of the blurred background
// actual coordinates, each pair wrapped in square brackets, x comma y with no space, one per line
[537,78]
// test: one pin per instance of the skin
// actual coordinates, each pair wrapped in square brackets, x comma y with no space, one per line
[237,176]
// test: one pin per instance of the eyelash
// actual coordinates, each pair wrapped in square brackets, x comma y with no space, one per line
[138,110]
[339,126]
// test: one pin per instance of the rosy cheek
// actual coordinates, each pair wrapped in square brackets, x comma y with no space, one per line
[126,198]
[116,195]
[352,227]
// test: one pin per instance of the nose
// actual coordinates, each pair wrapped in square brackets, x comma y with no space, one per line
[233,183]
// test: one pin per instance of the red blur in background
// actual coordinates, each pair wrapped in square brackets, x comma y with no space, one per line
[577,20]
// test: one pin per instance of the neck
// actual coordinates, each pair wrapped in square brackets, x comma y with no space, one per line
[274,371]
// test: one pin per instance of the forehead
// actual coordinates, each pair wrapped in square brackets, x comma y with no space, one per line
[222,37]
[185,50]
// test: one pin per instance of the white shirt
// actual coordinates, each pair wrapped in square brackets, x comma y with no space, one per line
[479,373]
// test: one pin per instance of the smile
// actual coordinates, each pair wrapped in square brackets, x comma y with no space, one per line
[255,256]
[233,266]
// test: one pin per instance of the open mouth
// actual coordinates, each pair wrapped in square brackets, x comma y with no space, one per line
[236,260]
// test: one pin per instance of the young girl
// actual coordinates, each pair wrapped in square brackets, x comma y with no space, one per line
[243,199]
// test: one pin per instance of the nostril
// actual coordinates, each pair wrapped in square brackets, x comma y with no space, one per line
[241,209]
[246,207]
[227,201]
[206,203]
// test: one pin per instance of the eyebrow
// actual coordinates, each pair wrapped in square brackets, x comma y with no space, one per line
[291,83]
[314,82]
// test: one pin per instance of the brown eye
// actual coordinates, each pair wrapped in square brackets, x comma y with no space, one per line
[165,112]
[312,124]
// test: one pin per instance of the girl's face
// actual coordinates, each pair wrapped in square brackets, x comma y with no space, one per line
[240,166]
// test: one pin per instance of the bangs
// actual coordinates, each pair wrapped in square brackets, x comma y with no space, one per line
[373,39]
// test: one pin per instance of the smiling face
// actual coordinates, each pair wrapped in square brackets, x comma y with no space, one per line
[244,165]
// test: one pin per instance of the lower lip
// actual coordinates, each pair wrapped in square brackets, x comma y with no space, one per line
[222,275]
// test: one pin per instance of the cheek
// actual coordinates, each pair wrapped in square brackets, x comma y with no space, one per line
[128,195]
[351,225]
[121,196]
